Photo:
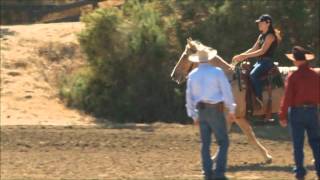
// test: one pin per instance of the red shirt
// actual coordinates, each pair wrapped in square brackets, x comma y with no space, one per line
[301,87]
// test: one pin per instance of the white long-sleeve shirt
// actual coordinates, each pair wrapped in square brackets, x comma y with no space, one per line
[208,84]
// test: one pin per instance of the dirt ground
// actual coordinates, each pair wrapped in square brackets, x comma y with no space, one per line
[43,139]
[142,152]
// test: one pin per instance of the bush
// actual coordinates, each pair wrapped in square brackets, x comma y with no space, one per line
[128,51]
[74,88]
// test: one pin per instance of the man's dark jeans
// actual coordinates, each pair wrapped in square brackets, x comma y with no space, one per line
[212,120]
[305,119]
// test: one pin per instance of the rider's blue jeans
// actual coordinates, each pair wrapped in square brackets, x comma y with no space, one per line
[260,67]
[213,121]
[305,119]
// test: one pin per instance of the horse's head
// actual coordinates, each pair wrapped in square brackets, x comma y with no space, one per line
[184,66]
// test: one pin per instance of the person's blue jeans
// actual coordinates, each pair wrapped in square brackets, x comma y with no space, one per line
[303,119]
[213,121]
[261,67]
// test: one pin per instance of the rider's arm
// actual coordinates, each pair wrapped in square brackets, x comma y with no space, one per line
[241,57]
[266,45]
[254,47]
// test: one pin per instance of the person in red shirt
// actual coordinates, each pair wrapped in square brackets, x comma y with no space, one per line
[300,105]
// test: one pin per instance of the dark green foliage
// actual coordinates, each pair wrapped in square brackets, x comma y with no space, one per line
[128,51]
[132,50]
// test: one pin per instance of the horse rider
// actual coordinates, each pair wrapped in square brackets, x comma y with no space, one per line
[263,49]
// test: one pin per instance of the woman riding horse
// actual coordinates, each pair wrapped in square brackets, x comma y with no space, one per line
[264,49]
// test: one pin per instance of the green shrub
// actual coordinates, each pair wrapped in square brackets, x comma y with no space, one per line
[73,88]
[128,51]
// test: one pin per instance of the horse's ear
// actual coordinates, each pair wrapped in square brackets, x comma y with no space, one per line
[189,39]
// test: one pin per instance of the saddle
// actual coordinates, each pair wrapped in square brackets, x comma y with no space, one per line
[272,79]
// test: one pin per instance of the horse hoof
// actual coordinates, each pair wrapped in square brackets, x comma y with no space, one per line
[268,159]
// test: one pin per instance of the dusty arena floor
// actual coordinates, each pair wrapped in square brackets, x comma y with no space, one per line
[144,152]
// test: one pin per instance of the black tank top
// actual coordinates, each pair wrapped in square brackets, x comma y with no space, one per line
[269,53]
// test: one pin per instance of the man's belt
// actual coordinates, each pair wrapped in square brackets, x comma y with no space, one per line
[218,106]
[306,106]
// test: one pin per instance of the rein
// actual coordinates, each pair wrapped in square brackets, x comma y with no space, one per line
[238,75]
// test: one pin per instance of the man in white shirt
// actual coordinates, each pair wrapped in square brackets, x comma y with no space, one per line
[208,90]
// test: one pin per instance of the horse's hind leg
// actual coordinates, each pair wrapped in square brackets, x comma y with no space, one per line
[247,130]
[229,124]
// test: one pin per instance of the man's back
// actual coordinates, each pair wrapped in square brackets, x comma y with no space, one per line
[208,84]
[206,76]
[305,84]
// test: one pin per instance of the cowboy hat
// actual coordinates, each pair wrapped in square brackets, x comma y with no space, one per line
[300,54]
[204,54]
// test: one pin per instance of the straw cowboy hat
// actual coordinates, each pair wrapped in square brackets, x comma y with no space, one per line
[300,54]
[204,54]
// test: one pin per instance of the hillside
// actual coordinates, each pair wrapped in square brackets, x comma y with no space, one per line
[33,58]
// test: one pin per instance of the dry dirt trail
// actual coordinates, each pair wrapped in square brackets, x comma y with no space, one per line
[42,139]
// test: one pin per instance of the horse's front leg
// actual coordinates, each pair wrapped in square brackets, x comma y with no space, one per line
[247,130]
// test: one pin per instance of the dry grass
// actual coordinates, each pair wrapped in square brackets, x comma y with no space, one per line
[34,58]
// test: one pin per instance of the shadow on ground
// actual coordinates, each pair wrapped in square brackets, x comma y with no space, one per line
[263,167]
